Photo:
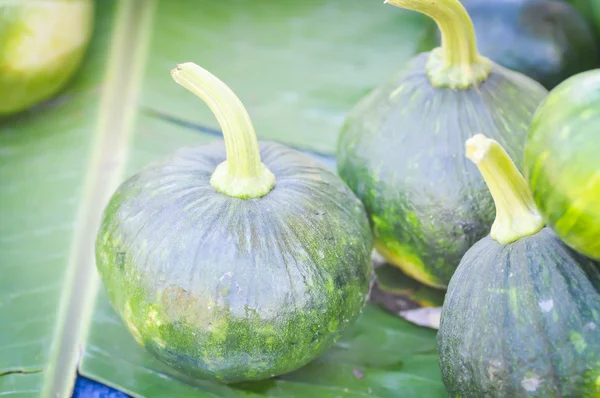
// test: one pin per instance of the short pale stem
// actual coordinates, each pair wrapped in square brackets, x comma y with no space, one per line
[516,213]
[457,64]
[243,174]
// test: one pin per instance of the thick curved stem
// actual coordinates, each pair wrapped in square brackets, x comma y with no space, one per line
[516,213]
[242,175]
[457,64]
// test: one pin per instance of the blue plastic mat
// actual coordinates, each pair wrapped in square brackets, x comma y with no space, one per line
[86,388]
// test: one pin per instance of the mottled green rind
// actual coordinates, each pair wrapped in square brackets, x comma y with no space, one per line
[522,320]
[235,289]
[402,152]
[562,162]
[547,40]
[20,90]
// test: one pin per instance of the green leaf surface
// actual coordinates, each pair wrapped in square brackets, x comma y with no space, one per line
[298,66]
[44,165]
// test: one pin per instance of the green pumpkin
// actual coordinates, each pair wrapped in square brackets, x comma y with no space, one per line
[42,44]
[521,317]
[547,40]
[562,161]
[401,148]
[236,276]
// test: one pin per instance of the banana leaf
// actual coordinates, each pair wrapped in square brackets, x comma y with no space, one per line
[298,67]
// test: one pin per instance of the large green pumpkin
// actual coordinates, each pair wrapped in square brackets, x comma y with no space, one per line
[42,44]
[235,287]
[562,161]
[401,148]
[521,317]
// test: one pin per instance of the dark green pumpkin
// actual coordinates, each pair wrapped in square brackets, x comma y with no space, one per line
[42,45]
[521,317]
[562,161]
[232,288]
[547,40]
[401,151]
[522,320]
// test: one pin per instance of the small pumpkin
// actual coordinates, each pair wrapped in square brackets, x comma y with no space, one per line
[562,161]
[401,148]
[521,317]
[238,261]
[547,40]
[42,44]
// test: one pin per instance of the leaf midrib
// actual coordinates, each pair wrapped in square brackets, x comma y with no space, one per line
[109,151]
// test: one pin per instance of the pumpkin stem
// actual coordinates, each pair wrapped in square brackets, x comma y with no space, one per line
[457,63]
[242,175]
[516,213]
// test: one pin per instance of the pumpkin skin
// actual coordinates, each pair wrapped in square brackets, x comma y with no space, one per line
[235,289]
[522,320]
[401,150]
[547,40]
[42,45]
[562,165]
